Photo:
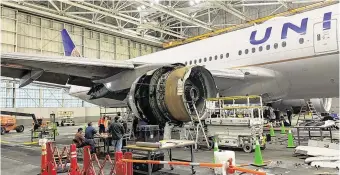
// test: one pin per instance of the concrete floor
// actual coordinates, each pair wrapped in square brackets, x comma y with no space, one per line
[19,156]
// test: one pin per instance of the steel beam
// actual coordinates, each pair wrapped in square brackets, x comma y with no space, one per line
[125,33]
[181,16]
[100,10]
[232,10]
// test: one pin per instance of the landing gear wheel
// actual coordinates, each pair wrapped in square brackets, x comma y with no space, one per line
[247,147]
[20,128]
[57,123]
[62,124]
[73,124]
[3,130]
[7,131]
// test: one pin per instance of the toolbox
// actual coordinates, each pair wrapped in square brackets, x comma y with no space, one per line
[144,166]
[148,133]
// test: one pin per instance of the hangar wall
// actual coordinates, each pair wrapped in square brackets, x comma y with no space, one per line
[23,32]
[26,33]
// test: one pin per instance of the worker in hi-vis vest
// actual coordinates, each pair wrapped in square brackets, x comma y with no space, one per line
[101,125]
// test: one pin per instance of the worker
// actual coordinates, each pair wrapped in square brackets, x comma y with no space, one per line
[289,116]
[90,131]
[116,130]
[277,114]
[272,114]
[79,139]
[101,125]
[106,123]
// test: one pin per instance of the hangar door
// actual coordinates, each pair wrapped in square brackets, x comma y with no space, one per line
[325,40]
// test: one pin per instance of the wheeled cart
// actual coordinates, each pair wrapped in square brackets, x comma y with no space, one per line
[236,121]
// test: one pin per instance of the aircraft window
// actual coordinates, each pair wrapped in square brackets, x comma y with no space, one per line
[210,58]
[215,57]
[240,52]
[200,60]
[195,61]
[301,40]
[253,50]
[276,46]
[227,55]
[260,48]
[284,44]
[246,51]
[205,59]
[190,62]
[268,47]
[221,56]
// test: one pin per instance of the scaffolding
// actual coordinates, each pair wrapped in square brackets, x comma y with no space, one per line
[236,121]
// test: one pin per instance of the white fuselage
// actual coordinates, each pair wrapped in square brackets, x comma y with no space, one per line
[305,61]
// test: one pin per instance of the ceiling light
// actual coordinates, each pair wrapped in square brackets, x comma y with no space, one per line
[192,3]
[197,1]
[156,1]
[139,8]
[143,7]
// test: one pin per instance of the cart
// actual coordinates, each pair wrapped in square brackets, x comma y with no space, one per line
[236,121]
[65,118]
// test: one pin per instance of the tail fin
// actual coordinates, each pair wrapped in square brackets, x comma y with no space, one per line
[69,47]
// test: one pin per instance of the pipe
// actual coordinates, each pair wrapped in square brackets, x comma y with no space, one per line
[247,170]
[211,165]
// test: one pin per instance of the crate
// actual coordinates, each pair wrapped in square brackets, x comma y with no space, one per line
[148,133]
[144,166]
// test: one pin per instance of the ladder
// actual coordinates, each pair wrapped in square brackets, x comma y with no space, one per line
[129,128]
[307,108]
[199,128]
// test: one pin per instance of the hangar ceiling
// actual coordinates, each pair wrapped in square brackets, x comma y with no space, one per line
[155,21]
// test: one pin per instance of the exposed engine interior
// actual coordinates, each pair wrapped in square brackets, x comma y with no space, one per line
[171,94]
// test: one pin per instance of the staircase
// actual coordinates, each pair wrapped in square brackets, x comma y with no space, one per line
[306,109]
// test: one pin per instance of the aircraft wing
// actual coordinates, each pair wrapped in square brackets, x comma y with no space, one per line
[59,69]
[232,78]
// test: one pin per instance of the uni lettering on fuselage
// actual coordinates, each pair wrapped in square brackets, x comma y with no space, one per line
[300,30]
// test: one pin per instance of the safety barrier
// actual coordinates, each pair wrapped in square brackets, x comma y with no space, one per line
[122,164]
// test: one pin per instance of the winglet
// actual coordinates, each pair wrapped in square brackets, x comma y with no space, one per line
[69,47]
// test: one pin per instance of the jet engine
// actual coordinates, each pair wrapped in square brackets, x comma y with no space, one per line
[320,104]
[171,93]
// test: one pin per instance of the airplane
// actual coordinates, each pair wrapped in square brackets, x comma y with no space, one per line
[285,60]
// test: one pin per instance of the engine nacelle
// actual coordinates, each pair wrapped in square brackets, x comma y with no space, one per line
[171,94]
[320,104]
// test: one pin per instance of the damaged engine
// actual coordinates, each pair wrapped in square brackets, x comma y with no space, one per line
[171,94]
